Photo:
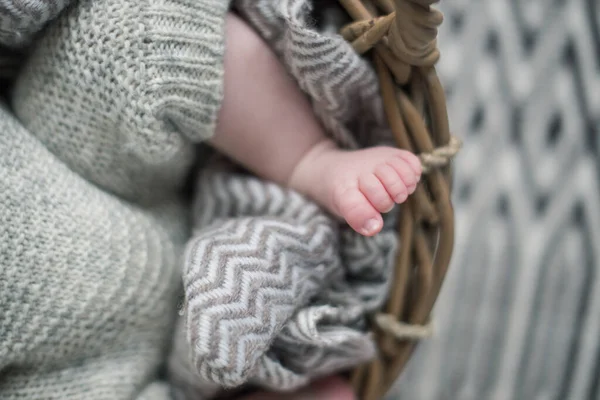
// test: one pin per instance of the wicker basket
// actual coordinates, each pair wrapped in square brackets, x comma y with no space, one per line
[400,35]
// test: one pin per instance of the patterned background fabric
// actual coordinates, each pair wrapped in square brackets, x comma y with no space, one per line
[519,315]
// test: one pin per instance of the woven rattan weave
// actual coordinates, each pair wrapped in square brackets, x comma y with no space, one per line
[400,36]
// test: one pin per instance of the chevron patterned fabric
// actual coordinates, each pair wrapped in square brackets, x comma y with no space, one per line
[276,291]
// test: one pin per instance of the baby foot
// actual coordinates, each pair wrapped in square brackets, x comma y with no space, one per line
[358,185]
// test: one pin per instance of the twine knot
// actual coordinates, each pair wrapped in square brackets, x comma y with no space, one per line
[402,331]
[441,156]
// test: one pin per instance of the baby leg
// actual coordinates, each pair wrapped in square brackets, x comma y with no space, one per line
[267,125]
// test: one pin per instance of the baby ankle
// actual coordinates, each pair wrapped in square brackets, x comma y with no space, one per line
[307,167]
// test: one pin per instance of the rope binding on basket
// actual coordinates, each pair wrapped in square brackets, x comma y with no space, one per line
[441,156]
[401,331]
[401,36]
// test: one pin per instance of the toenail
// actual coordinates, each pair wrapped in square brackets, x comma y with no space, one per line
[400,198]
[371,226]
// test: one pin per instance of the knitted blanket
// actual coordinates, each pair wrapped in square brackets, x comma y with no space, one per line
[98,142]
[276,291]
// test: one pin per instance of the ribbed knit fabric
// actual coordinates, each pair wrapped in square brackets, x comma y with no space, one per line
[21,20]
[134,83]
[109,104]
[88,283]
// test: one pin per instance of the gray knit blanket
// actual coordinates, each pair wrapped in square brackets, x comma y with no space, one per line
[276,291]
[97,143]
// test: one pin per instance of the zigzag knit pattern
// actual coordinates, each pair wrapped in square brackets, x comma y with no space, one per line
[342,86]
[276,291]
[266,296]
[257,270]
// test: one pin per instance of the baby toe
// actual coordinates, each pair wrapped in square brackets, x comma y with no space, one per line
[413,161]
[406,173]
[358,212]
[376,193]
[392,182]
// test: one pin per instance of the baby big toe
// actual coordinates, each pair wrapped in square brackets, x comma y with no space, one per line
[358,212]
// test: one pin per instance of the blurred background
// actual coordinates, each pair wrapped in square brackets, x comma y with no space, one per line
[519,315]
